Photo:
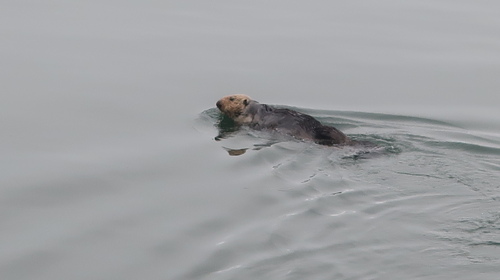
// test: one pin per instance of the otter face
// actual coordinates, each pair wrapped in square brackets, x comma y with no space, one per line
[234,107]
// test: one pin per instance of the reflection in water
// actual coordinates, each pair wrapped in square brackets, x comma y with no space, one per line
[235,152]
[364,146]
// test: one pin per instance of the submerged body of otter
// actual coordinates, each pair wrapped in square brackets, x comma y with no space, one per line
[245,111]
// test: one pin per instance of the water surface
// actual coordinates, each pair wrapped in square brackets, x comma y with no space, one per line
[111,169]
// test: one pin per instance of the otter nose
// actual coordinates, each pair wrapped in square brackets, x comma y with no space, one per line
[219,104]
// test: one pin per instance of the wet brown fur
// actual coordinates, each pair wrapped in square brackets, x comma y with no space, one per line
[233,106]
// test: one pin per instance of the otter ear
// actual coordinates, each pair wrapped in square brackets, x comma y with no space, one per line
[245,102]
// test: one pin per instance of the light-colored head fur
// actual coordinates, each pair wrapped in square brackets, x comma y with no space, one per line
[235,107]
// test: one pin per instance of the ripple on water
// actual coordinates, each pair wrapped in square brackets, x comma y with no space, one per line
[417,201]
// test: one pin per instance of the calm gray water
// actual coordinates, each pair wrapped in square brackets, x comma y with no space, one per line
[110,168]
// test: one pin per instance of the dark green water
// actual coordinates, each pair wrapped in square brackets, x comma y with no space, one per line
[112,168]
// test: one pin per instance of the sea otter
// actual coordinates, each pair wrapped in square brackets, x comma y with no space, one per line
[245,111]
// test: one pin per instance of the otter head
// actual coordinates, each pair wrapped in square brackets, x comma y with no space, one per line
[235,107]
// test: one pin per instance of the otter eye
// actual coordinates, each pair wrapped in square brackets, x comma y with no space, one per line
[245,102]
[231,98]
